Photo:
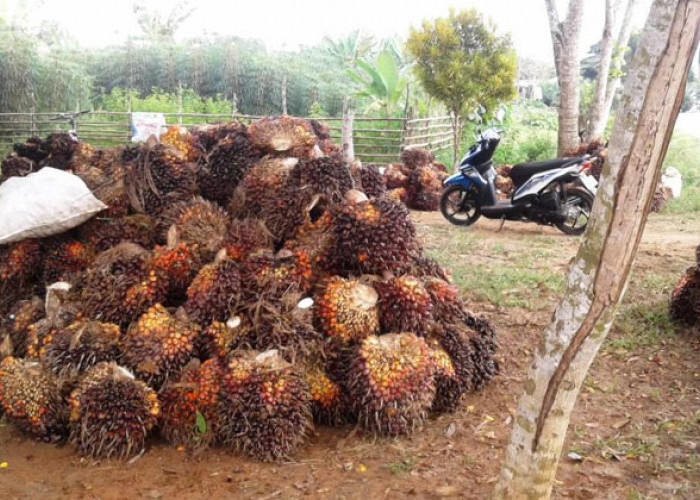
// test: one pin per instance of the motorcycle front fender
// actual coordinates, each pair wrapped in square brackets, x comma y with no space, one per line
[465,179]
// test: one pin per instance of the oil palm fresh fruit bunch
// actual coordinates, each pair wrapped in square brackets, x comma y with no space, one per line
[346,309]
[454,357]
[179,138]
[426,267]
[448,306]
[32,148]
[107,186]
[323,134]
[395,177]
[177,263]
[76,348]
[245,236]
[215,291]
[20,263]
[404,305]
[484,345]
[373,236]
[221,337]
[30,399]
[424,189]
[414,158]
[315,237]
[390,383]
[60,146]
[283,135]
[226,165]
[449,386]
[264,179]
[328,176]
[207,136]
[329,401]
[271,277]
[159,345]
[16,166]
[189,405]
[103,233]
[111,413]
[265,406]
[119,286]
[17,321]
[369,179]
[65,258]
[684,306]
[397,195]
[198,222]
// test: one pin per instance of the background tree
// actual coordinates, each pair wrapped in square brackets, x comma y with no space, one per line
[599,273]
[158,27]
[461,61]
[381,81]
[565,42]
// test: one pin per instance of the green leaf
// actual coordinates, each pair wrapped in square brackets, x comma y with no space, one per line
[200,424]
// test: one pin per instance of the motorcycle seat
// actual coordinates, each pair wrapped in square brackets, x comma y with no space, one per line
[521,172]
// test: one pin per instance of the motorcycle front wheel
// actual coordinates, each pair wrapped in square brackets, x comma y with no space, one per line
[577,208]
[459,206]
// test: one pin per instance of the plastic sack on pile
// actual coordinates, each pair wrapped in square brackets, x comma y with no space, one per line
[44,203]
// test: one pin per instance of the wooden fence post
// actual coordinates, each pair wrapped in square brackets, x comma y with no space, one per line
[33,131]
[347,132]
[179,103]
[284,94]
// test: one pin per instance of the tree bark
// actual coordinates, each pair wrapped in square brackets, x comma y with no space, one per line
[595,117]
[347,133]
[598,275]
[565,42]
[599,120]
[456,135]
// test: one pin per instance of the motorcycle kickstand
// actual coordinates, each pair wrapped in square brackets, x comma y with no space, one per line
[503,223]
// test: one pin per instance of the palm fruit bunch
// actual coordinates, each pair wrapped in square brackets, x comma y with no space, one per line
[19,266]
[189,405]
[16,323]
[395,177]
[65,258]
[74,349]
[329,401]
[177,263]
[684,306]
[220,338]
[32,148]
[179,138]
[107,186]
[449,387]
[158,345]
[30,399]
[426,267]
[15,166]
[404,305]
[346,309]
[157,178]
[271,277]
[369,179]
[244,236]
[214,292]
[390,383]
[264,406]
[328,176]
[323,134]
[454,356]
[398,195]
[373,236]
[424,188]
[227,164]
[206,136]
[482,338]
[111,413]
[39,335]
[264,180]
[503,181]
[597,149]
[448,306]
[283,135]
[315,237]
[284,213]
[60,146]
[120,285]
[414,158]
[198,222]
[104,233]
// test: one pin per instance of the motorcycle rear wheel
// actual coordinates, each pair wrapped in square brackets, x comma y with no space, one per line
[579,203]
[459,206]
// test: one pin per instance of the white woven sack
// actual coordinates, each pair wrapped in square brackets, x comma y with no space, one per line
[44,203]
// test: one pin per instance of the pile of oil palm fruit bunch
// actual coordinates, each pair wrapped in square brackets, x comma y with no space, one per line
[684,306]
[243,285]
[417,180]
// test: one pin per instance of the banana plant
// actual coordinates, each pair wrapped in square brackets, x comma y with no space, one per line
[383,82]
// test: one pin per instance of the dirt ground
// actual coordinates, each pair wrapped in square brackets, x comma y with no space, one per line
[634,433]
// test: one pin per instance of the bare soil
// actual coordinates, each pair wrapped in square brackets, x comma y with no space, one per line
[635,426]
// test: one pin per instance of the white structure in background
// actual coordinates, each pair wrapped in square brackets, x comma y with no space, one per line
[672,180]
[529,89]
[144,125]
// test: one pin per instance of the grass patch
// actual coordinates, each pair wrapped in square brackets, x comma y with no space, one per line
[641,325]
[402,467]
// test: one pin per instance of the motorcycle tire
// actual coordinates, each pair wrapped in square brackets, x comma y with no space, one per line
[581,199]
[454,201]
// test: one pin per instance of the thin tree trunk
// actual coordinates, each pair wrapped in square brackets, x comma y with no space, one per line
[598,275]
[284,95]
[623,38]
[596,117]
[565,42]
[455,137]
[347,133]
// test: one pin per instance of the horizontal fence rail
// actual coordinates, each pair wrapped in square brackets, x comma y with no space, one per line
[376,140]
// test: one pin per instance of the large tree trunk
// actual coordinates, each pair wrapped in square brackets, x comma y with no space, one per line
[600,111]
[565,42]
[595,117]
[598,275]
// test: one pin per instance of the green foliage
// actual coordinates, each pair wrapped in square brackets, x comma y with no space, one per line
[463,63]
[530,134]
[382,82]
[166,102]
[683,153]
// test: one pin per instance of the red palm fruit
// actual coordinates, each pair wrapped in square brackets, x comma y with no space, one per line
[395,177]
[264,180]
[404,305]
[329,402]
[111,413]
[19,265]
[16,323]
[179,138]
[346,309]
[424,189]
[159,345]
[30,399]
[220,338]
[103,233]
[272,277]
[245,236]
[215,291]
[65,258]
[189,405]
[283,135]
[414,158]
[426,267]
[391,384]
[177,264]
[265,406]
[448,306]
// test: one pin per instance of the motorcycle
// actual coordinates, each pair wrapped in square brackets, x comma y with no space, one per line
[554,192]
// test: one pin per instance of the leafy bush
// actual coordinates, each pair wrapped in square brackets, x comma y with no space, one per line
[683,153]
[530,134]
